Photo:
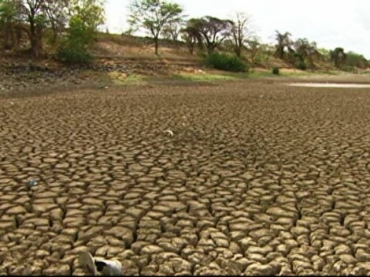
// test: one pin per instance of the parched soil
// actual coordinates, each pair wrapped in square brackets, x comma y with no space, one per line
[258,178]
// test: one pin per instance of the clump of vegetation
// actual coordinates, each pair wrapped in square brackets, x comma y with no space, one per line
[74,49]
[82,30]
[356,60]
[302,66]
[68,53]
[226,62]
[275,71]
[338,57]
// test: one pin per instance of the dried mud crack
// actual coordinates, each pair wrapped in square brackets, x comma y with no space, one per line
[267,185]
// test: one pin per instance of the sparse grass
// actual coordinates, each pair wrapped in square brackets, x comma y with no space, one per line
[207,77]
[122,78]
[114,78]
[262,74]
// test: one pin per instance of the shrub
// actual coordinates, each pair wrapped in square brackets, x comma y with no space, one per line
[302,66]
[74,49]
[73,54]
[226,62]
[275,70]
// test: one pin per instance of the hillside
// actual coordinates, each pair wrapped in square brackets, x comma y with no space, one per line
[119,59]
[136,55]
[133,49]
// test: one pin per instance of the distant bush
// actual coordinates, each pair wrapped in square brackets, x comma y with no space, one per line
[349,68]
[275,70]
[302,66]
[356,60]
[226,62]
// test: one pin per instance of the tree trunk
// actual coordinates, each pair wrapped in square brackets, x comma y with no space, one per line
[35,34]
[210,48]
[33,38]
[237,51]
[156,45]
[191,48]
[55,33]
[8,42]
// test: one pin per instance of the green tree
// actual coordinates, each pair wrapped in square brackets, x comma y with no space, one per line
[211,30]
[356,60]
[90,12]
[304,52]
[283,42]
[153,16]
[254,48]
[9,12]
[85,17]
[338,56]
[172,30]
[33,13]
[191,37]
[324,53]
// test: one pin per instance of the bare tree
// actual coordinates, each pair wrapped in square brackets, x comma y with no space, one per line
[56,12]
[240,32]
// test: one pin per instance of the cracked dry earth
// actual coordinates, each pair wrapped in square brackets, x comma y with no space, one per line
[257,179]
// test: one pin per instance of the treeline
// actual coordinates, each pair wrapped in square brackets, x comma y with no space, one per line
[236,35]
[70,26]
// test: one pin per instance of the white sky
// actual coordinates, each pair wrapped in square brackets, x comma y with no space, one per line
[331,23]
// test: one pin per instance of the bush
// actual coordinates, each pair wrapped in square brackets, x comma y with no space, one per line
[74,50]
[302,66]
[275,70]
[226,62]
[73,54]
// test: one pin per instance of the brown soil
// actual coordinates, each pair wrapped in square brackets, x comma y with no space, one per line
[258,178]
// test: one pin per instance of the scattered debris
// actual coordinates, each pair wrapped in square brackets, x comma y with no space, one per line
[32,183]
[95,265]
[169,132]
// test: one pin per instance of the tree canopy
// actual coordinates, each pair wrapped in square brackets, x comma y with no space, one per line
[154,16]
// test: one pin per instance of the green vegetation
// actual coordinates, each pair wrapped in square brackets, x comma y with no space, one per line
[355,60]
[338,56]
[87,16]
[275,71]
[226,62]
[207,77]
[67,29]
